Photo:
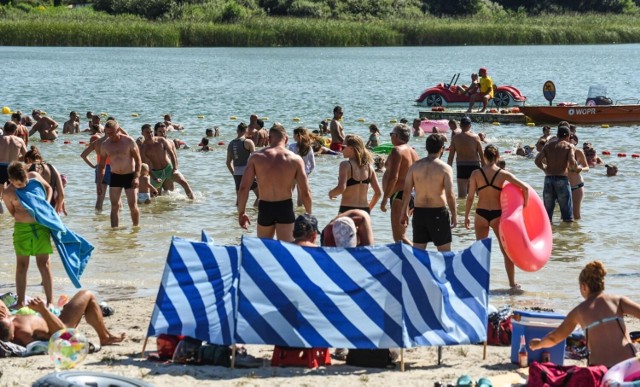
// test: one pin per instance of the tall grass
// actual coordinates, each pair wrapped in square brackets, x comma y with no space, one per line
[85,27]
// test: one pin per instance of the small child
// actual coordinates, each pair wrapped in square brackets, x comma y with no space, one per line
[145,190]
[373,137]
[379,162]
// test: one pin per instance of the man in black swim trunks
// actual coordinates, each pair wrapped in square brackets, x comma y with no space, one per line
[469,149]
[123,152]
[275,210]
[432,179]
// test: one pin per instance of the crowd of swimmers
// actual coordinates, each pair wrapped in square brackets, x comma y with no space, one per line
[274,165]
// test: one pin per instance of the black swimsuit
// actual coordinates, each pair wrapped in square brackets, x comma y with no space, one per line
[489,215]
[353,181]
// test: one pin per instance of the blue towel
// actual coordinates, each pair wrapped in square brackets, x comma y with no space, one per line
[73,249]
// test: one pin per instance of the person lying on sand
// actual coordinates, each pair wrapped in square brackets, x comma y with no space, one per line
[24,329]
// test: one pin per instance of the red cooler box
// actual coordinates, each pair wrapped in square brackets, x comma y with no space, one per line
[535,325]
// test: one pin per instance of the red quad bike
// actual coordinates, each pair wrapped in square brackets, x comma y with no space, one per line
[446,94]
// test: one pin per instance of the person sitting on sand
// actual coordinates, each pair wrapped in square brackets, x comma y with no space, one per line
[25,329]
[601,316]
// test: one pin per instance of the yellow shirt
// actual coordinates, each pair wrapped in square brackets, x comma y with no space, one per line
[486,86]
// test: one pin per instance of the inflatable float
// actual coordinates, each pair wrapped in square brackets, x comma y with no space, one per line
[623,374]
[383,148]
[441,125]
[525,231]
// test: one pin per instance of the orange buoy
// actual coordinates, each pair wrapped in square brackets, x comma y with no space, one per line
[82,142]
[635,155]
[67,142]
[45,140]
[221,143]
[508,151]
[606,153]
[622,155]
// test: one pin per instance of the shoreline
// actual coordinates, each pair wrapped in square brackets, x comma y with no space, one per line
[132,317]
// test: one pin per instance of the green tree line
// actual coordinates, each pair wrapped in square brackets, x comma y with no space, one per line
[355,10]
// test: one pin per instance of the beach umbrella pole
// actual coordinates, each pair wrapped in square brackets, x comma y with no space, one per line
[144,346]
[233,356]
[402,359]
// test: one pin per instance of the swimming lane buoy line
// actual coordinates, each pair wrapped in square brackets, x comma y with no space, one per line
[525,231]
[623,374]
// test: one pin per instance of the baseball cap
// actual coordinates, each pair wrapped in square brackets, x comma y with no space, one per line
[304,225]
[344,232]
[465,120]
[483,70]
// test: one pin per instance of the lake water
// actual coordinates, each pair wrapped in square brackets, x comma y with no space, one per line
[374,84]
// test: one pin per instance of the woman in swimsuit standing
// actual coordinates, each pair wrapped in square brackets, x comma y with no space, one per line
[487,182]
[601,317]
[355,176]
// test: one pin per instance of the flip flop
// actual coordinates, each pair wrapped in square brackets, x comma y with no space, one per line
[484,382]
[464,381]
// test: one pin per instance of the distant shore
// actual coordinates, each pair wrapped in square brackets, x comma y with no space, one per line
[85,27]
[133,315]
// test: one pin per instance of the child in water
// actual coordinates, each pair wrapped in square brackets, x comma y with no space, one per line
[373,137]
[145,190]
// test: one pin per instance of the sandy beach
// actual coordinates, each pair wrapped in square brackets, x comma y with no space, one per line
[132,316]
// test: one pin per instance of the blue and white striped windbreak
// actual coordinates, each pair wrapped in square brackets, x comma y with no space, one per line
[379,296]
[197,294]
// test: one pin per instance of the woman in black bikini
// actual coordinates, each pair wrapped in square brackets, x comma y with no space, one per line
[487,182]
[602,318]
[355,176]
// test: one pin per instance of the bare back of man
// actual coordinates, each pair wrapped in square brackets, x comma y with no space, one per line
[432,180]
[559,155]
[466,149]
[275,209]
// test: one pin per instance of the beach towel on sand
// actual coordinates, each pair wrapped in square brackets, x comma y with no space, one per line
[73,249]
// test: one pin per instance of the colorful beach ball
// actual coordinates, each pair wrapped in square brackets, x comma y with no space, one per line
[68,348]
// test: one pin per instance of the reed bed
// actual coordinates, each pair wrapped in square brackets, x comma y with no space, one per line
[85,27]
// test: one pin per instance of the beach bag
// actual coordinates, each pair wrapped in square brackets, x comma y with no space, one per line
[167,345]
[552,375]
[499,327]
[214,354]
[374,358]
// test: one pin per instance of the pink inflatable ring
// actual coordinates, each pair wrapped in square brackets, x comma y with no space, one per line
[623,374]
[525,232]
